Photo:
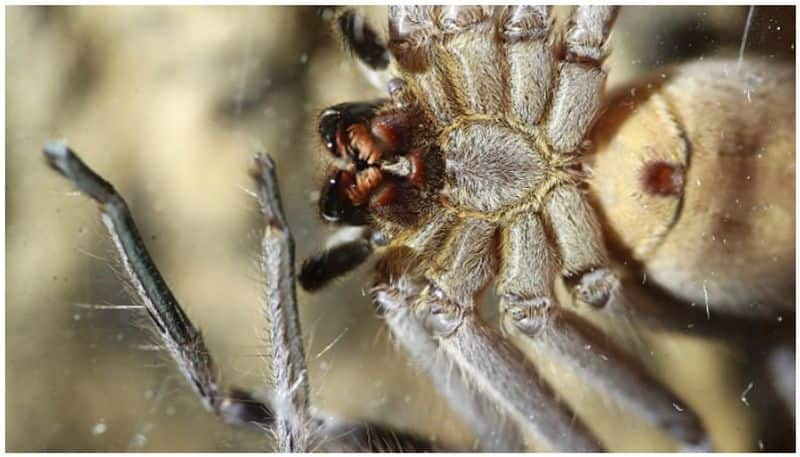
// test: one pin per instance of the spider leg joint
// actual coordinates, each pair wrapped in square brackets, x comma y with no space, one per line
[529,316]
[440,314]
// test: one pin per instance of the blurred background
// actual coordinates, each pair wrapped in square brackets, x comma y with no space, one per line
[169,103]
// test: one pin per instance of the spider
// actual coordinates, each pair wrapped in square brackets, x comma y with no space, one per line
[421,173]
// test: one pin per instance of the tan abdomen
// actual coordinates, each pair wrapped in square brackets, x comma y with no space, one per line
[695,177]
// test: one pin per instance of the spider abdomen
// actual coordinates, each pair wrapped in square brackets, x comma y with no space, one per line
[717,225]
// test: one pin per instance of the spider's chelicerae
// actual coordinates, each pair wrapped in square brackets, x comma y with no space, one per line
[479,169]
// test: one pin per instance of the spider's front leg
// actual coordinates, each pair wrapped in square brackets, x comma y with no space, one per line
[491,428]
[296,427]
[289,371]
[180,337]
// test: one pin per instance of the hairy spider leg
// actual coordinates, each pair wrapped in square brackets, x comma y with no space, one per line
[413,35]
[525,287]
[531,57]
[185,344]
[447,308]
[183,341]
[338,260]
[493,430]
[469,47]
[584,261]
[576,103]
[581,78]
[367,46]
[529,309]
[289,371]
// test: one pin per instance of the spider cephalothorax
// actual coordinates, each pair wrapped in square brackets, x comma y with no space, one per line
[507,201]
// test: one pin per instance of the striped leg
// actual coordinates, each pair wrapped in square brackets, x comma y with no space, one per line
[581,78]
[531,60]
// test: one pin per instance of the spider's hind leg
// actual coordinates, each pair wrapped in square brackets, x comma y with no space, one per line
[530,310]
[497,368]
[577,232]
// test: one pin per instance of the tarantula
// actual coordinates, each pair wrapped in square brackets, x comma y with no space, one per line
[474,171]
[470,172]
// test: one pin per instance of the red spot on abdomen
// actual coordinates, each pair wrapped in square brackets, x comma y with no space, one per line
[663,178]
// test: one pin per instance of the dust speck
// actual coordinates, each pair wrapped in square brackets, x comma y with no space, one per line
[99,428]
[138,441]
[745,392]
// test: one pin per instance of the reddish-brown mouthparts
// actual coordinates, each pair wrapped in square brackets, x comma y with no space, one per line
[373,157]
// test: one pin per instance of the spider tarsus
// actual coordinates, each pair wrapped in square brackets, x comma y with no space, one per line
[529,316]
[64,160]
[240,407]
[595,287]
[439,314]
[269,194]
